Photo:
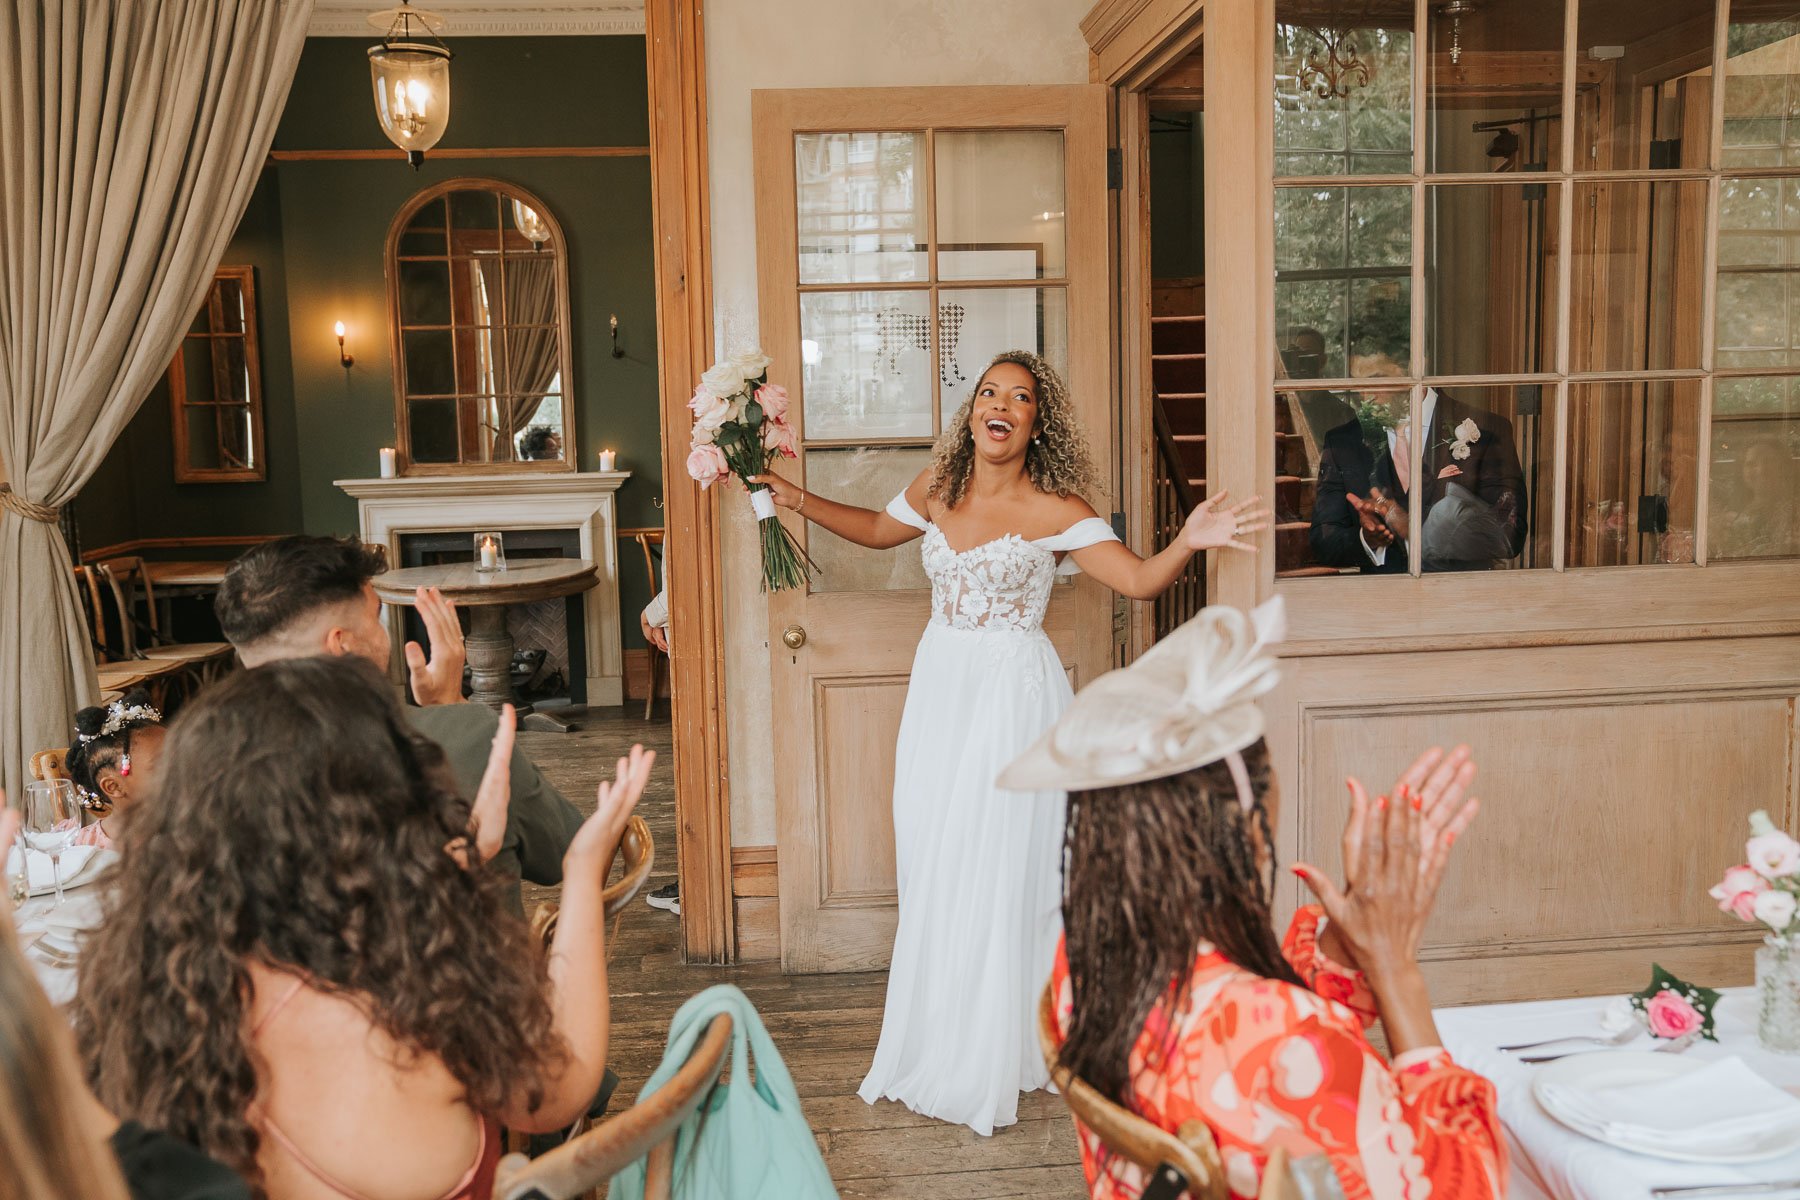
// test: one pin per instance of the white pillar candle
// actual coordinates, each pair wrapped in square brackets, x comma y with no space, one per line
[387,462]
[609,460]
[488,555]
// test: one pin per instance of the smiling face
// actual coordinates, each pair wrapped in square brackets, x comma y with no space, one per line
[1004,414]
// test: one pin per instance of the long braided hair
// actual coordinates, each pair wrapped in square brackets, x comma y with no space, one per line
[1153,870]
[102,740]
[1058,461]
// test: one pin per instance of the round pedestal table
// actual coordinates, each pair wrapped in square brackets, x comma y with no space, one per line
[486,595]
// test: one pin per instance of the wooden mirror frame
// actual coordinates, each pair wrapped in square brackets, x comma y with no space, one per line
[396,347]
[258,470]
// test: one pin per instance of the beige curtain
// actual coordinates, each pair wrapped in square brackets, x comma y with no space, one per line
[533,355]
[131,135]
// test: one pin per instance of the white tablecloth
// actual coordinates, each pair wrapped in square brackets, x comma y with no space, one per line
[1566,1165]
[38,918]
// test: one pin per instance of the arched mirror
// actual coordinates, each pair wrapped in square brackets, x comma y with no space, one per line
[478,303]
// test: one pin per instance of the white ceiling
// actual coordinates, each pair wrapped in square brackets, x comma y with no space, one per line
[489,18]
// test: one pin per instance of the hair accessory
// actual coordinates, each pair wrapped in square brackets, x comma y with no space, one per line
[1188,701]
[118,715]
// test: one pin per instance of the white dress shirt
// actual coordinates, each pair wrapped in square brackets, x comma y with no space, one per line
[1378,554]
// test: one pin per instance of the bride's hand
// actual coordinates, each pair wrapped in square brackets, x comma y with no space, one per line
[786,494]
[1212,526]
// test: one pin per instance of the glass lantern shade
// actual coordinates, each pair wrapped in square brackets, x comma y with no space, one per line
[527,221]
[412,94]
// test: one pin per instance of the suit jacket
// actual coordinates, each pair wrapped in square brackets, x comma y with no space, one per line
[540,822]
[1348,465]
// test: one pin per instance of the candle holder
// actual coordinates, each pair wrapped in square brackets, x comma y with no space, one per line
[490,552]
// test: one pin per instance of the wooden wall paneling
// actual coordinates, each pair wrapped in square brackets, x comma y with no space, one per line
[754,877]
[1132,40]
[1239,164]
[675,47]
[1595,847]
[1137,444]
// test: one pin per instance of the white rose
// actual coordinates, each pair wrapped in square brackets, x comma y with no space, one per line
[724,379]
[1468,431]
[1619,1015]
[1775,908]
[1460,450]
[702,436]
[709,416]
[751,363]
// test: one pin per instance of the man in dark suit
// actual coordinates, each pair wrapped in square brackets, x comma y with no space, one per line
[1474,502]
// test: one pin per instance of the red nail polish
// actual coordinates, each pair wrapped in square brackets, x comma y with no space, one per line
[1298,870]
[1417,804]
[1381,804]
[1449,839]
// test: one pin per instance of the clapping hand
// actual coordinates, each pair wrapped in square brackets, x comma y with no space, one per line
[1395,854]
[1368,515]
[487,817]
[599,835]
[439,679]
[1211,526]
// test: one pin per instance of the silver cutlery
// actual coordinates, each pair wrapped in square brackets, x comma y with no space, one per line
[1671,1047]
[1728,1189]
[1608,1039]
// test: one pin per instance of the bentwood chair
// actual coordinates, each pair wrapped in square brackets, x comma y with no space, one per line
[144,639]
[585,1163]
[650,542]
[638,850]
[50,764]
[119,672]
[1184,1163]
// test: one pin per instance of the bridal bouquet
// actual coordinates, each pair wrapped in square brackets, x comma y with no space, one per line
[740,426]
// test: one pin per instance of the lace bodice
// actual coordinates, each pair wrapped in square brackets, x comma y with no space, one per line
[999,585]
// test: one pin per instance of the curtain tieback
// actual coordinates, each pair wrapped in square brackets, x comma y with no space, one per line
[14,502]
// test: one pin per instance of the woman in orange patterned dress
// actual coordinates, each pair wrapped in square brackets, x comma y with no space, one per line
[1174,996]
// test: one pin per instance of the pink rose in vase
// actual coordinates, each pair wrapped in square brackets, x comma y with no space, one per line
[1671,1016]
[1738,891]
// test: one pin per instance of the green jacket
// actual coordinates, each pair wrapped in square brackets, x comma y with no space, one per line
[540,822]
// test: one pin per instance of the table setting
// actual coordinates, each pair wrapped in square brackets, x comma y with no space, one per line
[48,883]
[1672,1092]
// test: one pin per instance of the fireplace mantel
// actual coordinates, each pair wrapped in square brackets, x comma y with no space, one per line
[583,501]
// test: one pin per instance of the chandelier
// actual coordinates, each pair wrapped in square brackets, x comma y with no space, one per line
[412,79]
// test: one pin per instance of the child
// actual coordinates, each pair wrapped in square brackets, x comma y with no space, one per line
[112,760]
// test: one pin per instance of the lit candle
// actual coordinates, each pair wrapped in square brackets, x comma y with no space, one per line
[388,464]
[609,460]
[488,555]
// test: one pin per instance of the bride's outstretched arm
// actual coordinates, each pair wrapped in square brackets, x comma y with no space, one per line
[864,526]
[1211,525]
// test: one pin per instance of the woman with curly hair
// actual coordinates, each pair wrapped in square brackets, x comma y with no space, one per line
[300,973]
[1002,512]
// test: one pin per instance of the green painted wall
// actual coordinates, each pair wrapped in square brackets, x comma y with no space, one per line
[316,232]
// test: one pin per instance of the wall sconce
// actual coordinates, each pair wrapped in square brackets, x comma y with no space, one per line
[343,358]
[617,353]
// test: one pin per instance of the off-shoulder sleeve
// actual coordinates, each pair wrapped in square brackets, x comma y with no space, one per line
[1089,531]
[1329,979]
[902,511]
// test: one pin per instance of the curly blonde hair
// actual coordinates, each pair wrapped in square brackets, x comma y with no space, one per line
[1057,460]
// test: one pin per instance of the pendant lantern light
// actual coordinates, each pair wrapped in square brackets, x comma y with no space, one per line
[411,73]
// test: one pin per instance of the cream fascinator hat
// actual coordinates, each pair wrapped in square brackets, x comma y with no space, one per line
[1190,700]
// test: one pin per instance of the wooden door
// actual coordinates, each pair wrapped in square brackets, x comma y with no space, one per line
[904,237]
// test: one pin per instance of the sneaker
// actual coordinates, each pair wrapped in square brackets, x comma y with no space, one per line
[667,897]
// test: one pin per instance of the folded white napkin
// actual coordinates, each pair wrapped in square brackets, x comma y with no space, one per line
[1723,1108]
[42,878]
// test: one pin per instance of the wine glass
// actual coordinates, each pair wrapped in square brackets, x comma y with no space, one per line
[51,821]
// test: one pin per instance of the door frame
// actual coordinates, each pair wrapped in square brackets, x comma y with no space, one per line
[674,46]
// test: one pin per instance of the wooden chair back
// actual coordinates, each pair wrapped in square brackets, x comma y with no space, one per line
[90,583]
[638,849]
[585,1163]
[50,764]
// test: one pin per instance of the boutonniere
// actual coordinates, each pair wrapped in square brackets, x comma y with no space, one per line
[1467,434]
[1672,1008]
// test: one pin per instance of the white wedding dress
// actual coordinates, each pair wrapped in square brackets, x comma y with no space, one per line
[980,869]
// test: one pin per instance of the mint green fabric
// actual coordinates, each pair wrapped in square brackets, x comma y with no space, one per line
[748,1140]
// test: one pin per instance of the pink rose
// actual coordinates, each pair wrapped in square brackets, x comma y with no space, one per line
[1671,1016]
[707,465]
[774,401]
[778,435]
[1773,854]
[1738,891]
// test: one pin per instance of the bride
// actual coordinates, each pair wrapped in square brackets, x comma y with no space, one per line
[1000,508]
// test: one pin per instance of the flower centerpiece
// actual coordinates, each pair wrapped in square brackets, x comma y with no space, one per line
[740,426]
[1765,890]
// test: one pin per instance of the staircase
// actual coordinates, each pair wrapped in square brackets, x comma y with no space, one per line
[1178,374]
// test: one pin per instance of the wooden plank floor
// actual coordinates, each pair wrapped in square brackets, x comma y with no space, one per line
[825,1025]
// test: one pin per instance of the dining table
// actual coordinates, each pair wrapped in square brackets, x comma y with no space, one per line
[487,594]
[1551,1160]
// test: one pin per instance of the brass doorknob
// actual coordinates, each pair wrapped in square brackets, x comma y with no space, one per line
[793,637]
